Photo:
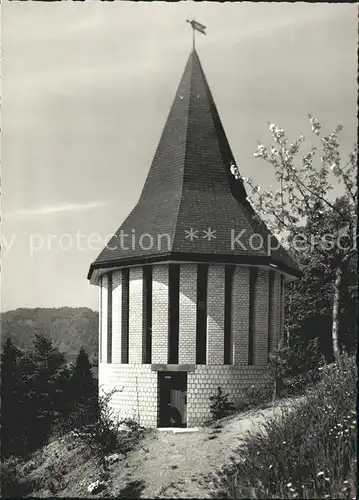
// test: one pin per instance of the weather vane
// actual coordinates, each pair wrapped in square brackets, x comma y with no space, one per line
[196,26]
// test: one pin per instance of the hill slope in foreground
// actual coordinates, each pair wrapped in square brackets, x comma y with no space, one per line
[163,465]
[69,328]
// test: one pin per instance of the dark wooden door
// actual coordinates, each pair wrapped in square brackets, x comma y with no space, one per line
[173,399]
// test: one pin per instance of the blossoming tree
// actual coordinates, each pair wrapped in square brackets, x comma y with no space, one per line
[302,211]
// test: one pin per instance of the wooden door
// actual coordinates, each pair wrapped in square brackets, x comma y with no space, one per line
[173,399]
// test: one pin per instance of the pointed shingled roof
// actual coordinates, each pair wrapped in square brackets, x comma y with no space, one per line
[189,185]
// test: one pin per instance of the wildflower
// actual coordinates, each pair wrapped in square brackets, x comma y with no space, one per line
[270,466]
[284,442]
[321,473]
[292,490]
[345,482]
[272,127]
[327,479]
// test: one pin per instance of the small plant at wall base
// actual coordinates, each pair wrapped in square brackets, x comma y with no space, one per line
[102,436]
[220,405]
[279,368]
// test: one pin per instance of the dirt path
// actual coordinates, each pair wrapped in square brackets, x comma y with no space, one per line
[164,465]
[174,465]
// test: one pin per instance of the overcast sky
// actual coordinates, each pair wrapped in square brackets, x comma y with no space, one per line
[86,91]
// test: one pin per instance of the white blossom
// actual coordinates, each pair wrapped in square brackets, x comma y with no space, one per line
[272,127]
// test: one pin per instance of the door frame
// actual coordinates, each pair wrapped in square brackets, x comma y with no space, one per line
[164,396]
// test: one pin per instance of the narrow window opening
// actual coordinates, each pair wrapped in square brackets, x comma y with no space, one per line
[252,312]
[147,315]
[100,321]
[201,326]
[228,340]
[281,305]
[125,315]
[173,304]
[270,310]
[109,318]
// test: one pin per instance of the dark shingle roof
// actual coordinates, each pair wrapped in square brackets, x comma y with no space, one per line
[189,185]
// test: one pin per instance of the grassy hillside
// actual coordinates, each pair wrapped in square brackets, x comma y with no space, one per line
[69,328]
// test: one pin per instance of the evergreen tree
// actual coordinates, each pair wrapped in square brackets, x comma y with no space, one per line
[12,411]
[46,388]
[84,392]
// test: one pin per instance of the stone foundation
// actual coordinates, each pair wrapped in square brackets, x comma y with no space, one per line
[139,397]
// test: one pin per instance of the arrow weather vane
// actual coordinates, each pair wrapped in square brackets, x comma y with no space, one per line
[196,26]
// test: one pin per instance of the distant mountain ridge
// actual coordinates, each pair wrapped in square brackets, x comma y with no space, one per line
[69,328]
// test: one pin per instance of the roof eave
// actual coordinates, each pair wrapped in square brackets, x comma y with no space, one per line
[292,272]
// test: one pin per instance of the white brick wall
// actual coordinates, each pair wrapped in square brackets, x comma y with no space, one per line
[100,321]
[240,314]
[187,314]
[215,314]
[116,316]
[160,314]
[135,314]
[260,327]
[137,398]
[104,317]
[282,290]
[275,315]
[203,382]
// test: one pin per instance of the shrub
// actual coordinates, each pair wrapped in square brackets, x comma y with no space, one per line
[255,397]
[309,451]
[103,435]
[220,405]
[300,384]
[14,483]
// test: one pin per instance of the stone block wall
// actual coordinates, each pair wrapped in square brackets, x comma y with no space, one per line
[137,397]
[204,381]
[116,316]
[265,335]
[187,314]
[240,315]
[104,318]
[260,319]
[215,314]
[135,314]
[275,317]
[160,314]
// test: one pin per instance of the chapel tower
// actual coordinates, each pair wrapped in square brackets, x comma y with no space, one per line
[187,308]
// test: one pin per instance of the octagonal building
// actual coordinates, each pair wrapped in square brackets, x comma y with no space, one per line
[191,286]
